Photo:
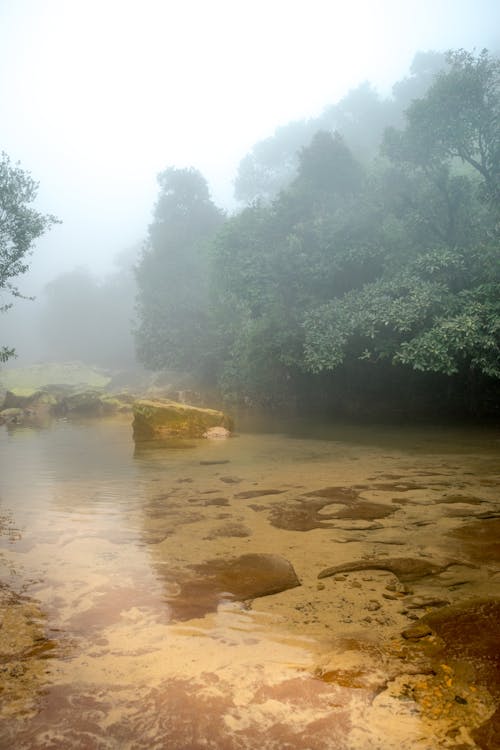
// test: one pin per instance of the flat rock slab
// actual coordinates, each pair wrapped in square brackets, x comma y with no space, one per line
[164,419]
[325,507]
[480,540]
[404,568]
[240,578]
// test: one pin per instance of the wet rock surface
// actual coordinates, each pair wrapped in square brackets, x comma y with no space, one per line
[24,651]
[241,578]
[163,419]
[461,646]
[480,540]
[404,568]
[323,508]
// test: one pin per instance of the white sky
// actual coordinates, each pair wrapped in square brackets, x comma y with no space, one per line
[98,96]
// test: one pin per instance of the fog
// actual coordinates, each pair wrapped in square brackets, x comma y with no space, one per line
[99,97]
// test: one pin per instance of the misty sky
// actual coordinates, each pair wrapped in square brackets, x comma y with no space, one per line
[98,96]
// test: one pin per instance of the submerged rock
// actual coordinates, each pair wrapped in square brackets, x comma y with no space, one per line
[480,540]
[341,504]
[162,419]
[404,568]
[241,578]
[469,634]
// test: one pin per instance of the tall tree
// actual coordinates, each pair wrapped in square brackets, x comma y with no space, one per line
[173,313]
[458,118]
[20,226]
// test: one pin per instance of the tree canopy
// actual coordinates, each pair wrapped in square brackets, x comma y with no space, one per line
[20,226]
[173,329]
[357,273]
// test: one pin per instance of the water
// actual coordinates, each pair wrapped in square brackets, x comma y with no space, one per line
[135,568]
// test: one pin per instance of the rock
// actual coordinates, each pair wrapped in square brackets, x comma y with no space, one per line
[27,398]
[162,419]
[479,540]
[324,508]
[471,631]
[487,736]
[84,403]
[13,415]
[404,568]
[241,578]
[421,602]
[26,406]
[230,480]
[249,494]
[417,631]
[469,634]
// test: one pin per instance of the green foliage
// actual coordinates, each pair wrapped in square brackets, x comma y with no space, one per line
[272,262]
[381,270]
[273,162]
[457,118]
[20,226]
[174,330]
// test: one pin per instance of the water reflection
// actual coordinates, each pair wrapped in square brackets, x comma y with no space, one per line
[157,569]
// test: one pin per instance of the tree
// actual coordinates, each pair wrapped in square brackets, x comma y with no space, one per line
[273,162]
[88,319]
[435,304]
[173,330]
[272,262]
[372,274]
[20,226]
[458,118]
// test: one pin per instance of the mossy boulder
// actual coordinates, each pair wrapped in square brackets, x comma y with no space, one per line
[163,419]
[83,403]
[28,398]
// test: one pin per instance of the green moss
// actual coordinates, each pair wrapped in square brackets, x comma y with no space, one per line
[23,380]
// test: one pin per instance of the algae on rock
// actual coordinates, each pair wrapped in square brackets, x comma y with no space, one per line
[164,419]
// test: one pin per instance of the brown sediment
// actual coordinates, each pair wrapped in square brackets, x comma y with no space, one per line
[229,529]
[466,499]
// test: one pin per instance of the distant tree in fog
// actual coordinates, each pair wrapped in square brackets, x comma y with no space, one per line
[88,319]
[20,226]
[360,117]
[173,311]
[458,118]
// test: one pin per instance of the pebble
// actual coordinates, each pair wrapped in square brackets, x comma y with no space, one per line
[414,632]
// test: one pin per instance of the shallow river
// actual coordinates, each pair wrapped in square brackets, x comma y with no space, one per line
[169,598]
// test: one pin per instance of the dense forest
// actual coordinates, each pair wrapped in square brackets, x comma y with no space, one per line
[360,275]
[363,274]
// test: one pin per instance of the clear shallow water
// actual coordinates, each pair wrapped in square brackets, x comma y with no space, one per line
[108,539]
